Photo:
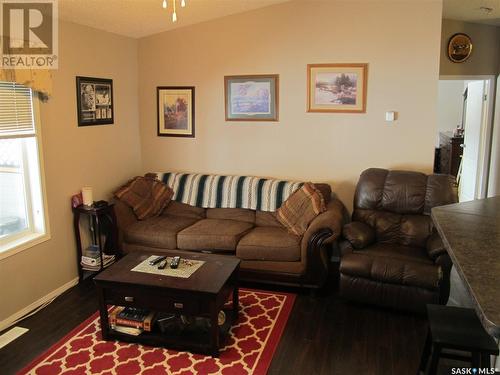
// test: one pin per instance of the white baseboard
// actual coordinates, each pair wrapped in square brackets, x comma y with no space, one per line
[11,319]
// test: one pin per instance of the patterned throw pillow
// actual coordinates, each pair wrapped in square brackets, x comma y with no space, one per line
[147,196]
[301,208]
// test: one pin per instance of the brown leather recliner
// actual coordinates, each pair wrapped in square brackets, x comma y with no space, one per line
[393,256]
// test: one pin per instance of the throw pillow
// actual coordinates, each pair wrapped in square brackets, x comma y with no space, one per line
[147,196]
[297,212]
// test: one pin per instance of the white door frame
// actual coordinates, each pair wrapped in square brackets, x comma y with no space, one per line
[494,178]
[486,128]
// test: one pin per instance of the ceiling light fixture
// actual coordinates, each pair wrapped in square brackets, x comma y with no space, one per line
[174,14]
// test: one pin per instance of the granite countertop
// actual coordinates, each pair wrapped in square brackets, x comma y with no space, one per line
[471,234]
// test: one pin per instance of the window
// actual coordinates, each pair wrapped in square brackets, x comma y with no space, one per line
[23,220]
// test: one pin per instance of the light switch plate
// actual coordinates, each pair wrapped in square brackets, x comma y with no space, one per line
[390,116]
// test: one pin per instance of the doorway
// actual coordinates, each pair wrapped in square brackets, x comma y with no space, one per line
[464,133]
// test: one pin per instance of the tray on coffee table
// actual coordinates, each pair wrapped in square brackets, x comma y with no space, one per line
[203,294]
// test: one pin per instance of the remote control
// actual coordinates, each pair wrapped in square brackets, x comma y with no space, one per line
[162,264]
[157,260]
[174,263]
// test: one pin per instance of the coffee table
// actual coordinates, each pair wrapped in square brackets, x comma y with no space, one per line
[203,294]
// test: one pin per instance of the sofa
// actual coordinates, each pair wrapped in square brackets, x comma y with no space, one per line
[268,252]
[393,256]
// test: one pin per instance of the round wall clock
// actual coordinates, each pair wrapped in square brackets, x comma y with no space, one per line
[459,47]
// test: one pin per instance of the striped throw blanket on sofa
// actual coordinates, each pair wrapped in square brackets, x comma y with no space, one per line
[217,191]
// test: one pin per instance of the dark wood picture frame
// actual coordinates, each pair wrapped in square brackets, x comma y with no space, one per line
[273,80]
[94,101]
[184,93]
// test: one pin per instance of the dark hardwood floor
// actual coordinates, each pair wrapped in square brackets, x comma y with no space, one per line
[324,335]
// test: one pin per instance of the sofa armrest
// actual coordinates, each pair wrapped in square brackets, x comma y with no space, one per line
[435,246]
[323,230]
[359,234]
[124,218]
[332,219]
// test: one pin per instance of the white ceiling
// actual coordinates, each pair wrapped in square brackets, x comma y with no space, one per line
[138,18]
[470,10]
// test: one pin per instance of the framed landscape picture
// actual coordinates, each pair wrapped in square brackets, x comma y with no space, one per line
[336,88]
[94,99]
[252,98]
[175,111]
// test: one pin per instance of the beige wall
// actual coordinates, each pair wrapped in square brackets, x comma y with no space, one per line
[450,104]
[399,40]
[99,156]
[485,57]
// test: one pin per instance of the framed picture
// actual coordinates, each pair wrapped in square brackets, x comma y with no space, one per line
[94,99]
[252,98]
[336,88]
[175,111]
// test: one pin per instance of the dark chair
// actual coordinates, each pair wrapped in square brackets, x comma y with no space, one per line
[393,256]
[452,329]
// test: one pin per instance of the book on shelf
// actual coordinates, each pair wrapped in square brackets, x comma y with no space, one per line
[94,264]
[105,258]
[90,261]
[133,313]
[144,324]
[128,330]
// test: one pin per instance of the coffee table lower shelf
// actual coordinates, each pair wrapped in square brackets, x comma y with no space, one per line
[214,287]
[198,342]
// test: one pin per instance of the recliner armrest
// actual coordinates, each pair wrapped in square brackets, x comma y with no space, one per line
[435,246]
[359,234]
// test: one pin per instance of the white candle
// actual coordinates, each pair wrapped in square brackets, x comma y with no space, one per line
[87,195]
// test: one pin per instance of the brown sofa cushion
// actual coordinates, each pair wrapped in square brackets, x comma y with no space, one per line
[267,219]
[238,214]
[301,208]
[407,230]
[403,192]
[269,243]
[145,195]
[184,210]
[404,253]
[391,270]
[158,231]
[212,234]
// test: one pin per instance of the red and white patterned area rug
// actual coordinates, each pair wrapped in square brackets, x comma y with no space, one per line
[249,348]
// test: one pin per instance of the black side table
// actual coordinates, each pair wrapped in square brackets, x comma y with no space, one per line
[96,216]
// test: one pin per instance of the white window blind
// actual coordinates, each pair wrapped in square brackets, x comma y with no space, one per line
[16,111]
